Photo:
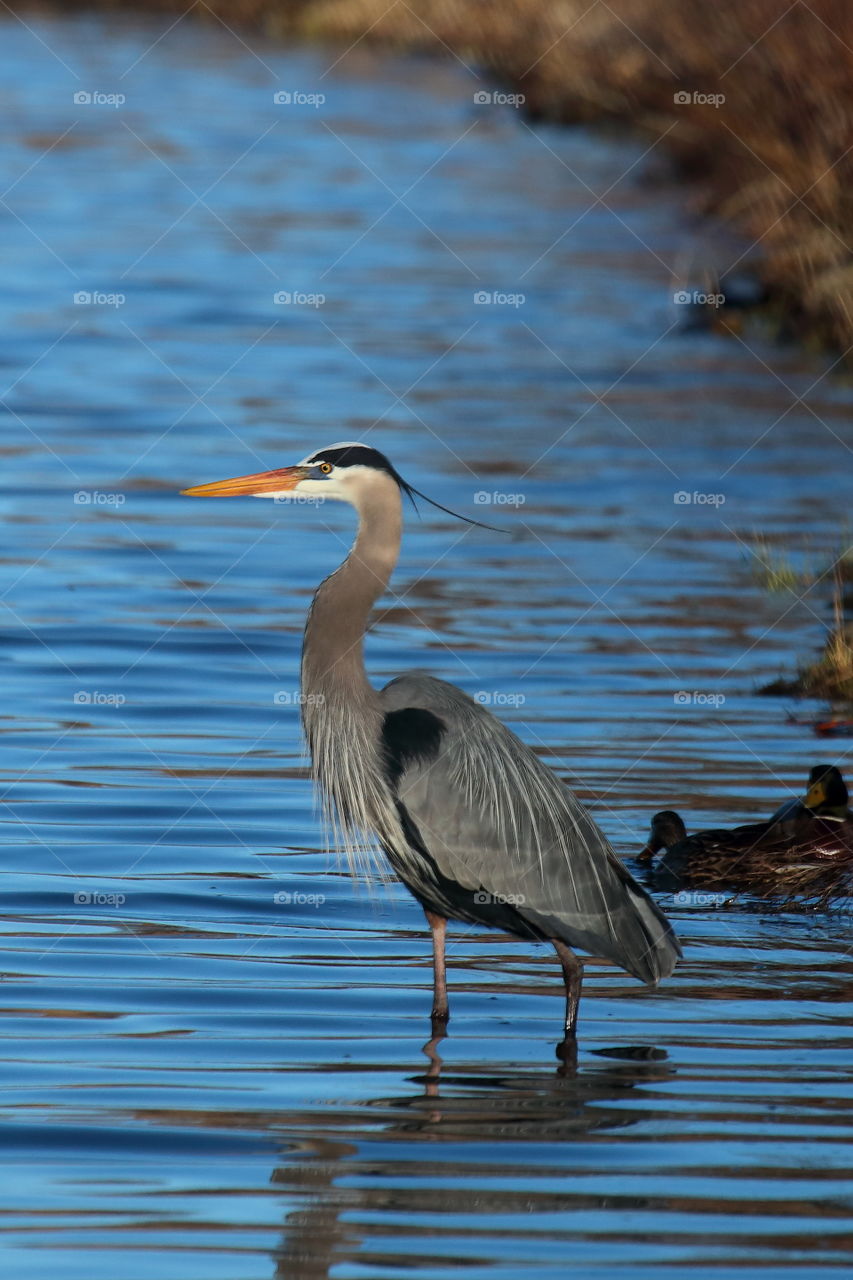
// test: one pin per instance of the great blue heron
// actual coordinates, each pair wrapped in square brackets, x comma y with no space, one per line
[470,819]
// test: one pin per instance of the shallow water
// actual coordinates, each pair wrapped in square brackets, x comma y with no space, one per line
[212,1054]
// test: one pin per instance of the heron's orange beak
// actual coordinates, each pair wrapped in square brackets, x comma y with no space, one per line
[283,480]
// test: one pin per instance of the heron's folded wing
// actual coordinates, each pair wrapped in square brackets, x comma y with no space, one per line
[493,817]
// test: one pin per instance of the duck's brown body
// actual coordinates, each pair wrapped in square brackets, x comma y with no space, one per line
[805,849]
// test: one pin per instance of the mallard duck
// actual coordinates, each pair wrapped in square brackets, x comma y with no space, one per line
[806,847]
[826,797]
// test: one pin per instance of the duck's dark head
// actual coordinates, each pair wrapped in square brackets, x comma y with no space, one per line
[666,830]
[827,795]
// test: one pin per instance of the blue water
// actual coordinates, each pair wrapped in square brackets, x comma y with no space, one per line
[212,1059]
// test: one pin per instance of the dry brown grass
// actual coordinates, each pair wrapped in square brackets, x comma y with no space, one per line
[772,158]
[832,675]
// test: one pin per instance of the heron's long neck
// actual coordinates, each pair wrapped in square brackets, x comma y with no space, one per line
[333,649]
[341,711]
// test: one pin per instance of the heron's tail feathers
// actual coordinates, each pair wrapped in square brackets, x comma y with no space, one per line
[651,950]
[626,927]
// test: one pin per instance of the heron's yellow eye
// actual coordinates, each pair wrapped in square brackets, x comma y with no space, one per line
[325,467]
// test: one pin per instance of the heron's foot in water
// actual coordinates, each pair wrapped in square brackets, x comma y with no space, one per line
[567,1053]
[439,1018]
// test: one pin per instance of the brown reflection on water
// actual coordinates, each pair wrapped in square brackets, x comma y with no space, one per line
[509,1111]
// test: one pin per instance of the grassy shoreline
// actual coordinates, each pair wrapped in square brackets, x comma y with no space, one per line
[753,99]
[830,674]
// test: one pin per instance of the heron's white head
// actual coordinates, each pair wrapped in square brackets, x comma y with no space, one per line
[346,471]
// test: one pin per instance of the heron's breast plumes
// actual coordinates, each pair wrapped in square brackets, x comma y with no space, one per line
[343,728]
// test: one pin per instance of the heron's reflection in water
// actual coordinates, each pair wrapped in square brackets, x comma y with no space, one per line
[363,1183]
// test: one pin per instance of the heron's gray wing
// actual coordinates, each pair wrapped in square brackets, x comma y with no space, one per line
[496,820]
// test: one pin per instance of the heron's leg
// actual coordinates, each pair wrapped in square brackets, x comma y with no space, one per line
[573,977]
[438,925]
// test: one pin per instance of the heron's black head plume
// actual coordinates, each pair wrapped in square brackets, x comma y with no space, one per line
[362,455]
[411,493]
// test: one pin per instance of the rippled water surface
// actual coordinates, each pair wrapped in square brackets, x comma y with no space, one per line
[212,1057]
